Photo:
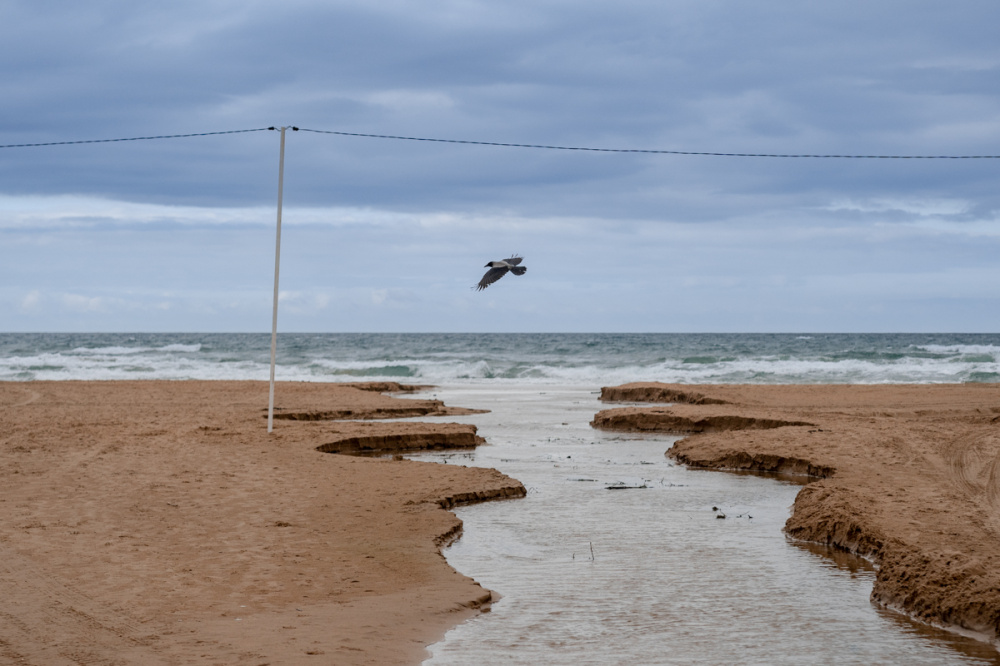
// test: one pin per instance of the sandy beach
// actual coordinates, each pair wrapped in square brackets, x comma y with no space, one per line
[157,522]
[907,475]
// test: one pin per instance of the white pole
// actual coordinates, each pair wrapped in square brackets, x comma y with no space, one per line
[277,260]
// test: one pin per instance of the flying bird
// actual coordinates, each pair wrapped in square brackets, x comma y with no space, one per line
[499,268]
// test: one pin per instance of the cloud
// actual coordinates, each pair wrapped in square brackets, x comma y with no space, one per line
[411,100]
[31,300]
[69,211]
[917,207]
[614,240]
[81,303]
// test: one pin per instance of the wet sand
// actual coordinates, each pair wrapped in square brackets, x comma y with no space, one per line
[909,476]
[158,522]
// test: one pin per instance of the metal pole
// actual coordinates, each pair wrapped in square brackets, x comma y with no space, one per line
[277,260]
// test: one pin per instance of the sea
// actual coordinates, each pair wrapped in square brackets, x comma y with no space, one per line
[617,555]
[508,359]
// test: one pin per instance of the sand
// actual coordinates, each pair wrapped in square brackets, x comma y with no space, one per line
[908,476]
[158,522]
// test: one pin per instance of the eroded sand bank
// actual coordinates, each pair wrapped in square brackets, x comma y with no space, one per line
[910,476]
[157,522]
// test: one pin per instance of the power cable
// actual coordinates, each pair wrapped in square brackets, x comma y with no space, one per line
[133,138]
[660,152]
[647,151]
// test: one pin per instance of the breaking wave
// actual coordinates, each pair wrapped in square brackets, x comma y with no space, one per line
[577,359]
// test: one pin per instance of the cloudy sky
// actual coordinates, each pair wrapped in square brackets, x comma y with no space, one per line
[382,235]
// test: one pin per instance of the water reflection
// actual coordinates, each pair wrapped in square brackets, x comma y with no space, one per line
[860,568]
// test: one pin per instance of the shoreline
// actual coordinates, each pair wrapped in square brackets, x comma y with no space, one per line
[157,522]
[908,476]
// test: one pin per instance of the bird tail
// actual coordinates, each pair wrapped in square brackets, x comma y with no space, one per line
[518,270]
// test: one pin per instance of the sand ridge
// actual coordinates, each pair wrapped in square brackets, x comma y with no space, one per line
[157,522]
[910,476]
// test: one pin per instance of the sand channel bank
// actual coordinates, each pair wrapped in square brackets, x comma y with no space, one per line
[157,522]
[907,476]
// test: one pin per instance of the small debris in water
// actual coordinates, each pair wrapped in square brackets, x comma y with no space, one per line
[621,485]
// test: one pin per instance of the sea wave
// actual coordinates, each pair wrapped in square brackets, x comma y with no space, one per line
[129,351]
[965,350]
[586,360]
[187,349]
[108,351]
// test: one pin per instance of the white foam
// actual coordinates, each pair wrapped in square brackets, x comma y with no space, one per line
[181,348]
[110,351]
[991,350]
[467,365]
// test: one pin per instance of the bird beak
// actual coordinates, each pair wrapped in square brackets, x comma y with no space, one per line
[486,266]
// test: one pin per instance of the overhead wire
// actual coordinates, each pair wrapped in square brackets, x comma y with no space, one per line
[657,152]
[133,138]
[648,151]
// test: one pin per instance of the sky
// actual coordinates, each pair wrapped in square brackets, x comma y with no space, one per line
[388,235]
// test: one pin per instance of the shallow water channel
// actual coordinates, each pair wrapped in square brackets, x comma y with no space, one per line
[653,574]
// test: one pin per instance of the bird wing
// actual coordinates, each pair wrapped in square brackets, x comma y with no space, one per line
[491,276]
[513,261]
